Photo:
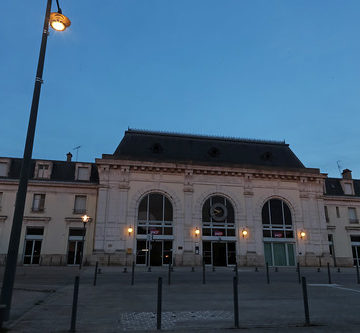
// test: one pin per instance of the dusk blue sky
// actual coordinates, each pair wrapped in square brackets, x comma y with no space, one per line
[282,70]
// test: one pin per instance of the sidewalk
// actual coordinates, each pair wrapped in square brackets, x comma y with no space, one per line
[188,305]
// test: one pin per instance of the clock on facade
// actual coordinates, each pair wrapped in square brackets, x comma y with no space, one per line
[218,212]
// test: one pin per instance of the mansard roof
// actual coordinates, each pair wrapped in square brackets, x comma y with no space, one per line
[333,187]
[152,146]
[62,171]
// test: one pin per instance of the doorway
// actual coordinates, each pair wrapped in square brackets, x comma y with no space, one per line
[32,250]
[279,254]
[355,246]
[155,252]
[219,253]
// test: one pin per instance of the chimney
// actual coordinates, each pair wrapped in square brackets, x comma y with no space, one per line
[346,174]
[68,157]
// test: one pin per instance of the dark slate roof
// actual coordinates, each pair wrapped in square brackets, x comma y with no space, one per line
[333,187]
[62,171]
[205,150]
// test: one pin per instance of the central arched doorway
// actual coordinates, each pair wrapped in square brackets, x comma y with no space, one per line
[154,237]
[218,232]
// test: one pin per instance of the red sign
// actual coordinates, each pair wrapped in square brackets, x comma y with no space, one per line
[154,231]
[278,234]
[218,233]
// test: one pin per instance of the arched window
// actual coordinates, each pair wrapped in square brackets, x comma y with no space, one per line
[218,217]
[155,215]
[276,219]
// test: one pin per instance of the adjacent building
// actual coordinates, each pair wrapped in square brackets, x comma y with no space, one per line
[59,193]
[185,199]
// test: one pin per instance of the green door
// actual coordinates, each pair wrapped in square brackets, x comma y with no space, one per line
[268,254]
[279,254]
[291,254]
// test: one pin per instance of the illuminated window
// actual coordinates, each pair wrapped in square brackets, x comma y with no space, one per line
[276,219]
[155,215]
[218,218]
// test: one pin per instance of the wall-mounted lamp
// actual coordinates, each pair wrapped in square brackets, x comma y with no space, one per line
[197,232]
[130,230]
[244,233]
[302,234]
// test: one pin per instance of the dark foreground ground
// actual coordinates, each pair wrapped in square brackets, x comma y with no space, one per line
[43,298]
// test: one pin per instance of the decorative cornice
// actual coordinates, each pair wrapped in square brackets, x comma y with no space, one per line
[341,198]
[331,227]
[36,219]
[75,219]
[50,183]
[172,168]
[352,227]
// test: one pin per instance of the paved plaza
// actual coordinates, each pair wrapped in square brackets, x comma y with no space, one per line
[43,298]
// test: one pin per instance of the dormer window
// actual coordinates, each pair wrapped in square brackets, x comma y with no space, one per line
[83,172]
[348,189]
[42,170]
[3,169]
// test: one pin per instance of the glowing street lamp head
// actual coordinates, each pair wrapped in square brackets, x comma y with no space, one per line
[244,233]
[85,218]
[197,232]
[130,230]
[302,234]
[59,22]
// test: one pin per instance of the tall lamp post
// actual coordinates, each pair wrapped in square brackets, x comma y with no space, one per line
[58,22]
[85,219]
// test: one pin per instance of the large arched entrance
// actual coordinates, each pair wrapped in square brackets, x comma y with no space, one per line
[218,232]
[154,238]
[278,233]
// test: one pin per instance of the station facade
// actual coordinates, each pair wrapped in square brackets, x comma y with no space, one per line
[185,199]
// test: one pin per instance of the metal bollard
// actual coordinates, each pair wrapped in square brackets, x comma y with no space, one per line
[193,269]
[298,272]
[95,273]
[74,305]
[203,281]
[267,274]
[338,270]
[169,274]
[329,274]
[132,273]
[236,302]
[149,269]
[2,315]
[318,270]
[125,270]
[357,271]
[159,300]
[306,303]
[256,269]
[276,269]
[213,268]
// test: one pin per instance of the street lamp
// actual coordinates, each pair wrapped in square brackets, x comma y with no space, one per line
[130,230]
[244,233]
[197,232]
[85,219]
[13,250]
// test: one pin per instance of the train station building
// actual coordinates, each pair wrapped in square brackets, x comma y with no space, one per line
[168,197]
